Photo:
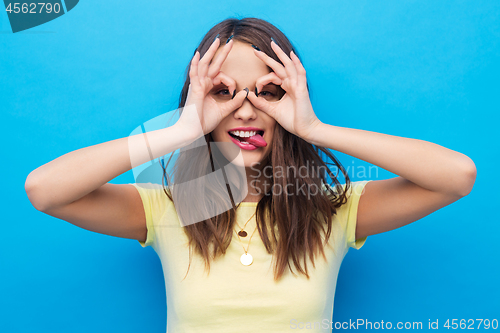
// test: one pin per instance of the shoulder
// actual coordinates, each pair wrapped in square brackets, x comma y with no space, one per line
[154,197]
[353,192]
[347,213]
[159,212]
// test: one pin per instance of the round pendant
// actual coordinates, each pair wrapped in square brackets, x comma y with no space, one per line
[246,259]
[242,233]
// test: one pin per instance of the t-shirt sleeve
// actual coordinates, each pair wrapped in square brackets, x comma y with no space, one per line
[154,201]
[351,214]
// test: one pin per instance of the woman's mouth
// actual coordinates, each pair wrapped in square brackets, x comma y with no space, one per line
[248,139]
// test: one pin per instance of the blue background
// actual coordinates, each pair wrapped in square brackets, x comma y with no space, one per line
[418,69]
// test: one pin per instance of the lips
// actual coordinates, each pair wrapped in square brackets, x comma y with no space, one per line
[248,138]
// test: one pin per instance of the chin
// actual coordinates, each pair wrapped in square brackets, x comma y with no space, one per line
[237,156]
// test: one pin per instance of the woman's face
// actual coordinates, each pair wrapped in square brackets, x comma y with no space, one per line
[245,68]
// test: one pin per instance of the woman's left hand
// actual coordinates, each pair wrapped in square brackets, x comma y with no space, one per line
[293,111]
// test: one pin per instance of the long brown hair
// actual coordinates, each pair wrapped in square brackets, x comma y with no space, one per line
[290,227]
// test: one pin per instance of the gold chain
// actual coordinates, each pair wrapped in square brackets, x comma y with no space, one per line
[248,247]
[242,229]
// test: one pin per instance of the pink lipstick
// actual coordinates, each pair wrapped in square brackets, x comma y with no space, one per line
[248,138]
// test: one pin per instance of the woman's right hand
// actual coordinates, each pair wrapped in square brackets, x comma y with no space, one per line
[202,113]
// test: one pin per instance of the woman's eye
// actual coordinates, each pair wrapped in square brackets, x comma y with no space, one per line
[226,92]
[222,92]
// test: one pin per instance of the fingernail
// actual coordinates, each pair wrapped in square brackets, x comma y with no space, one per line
[274,41]
[216,37]
[229,39]
[255,47]
[234,93]
[196,49]
[256,92]
[247,92]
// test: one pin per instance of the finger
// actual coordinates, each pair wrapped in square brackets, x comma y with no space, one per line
[216,65]
[193,71]
[301,72]
[233,104]
[275,66]
[207,57]
[289,65]
[261,103]
[228,81]
[266,79]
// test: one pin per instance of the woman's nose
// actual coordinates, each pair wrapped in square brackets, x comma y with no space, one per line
[246,111]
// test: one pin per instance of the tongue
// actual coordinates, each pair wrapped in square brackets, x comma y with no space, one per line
[256,140]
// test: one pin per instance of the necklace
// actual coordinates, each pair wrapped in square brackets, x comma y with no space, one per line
[246,258]
[243,233]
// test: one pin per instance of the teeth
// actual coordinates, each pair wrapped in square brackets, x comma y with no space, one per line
[244,134]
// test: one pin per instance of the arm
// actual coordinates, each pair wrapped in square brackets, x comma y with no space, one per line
[430,176]
[75,188]
[77,173]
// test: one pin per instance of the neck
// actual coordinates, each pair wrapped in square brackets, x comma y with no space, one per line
[256,185]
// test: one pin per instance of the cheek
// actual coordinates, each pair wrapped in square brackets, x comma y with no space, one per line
[272,132]
[218,134]
[215,135]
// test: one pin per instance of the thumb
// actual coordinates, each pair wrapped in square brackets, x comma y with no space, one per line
[260,103]
[234,103]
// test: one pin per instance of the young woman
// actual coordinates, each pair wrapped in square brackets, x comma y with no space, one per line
[262,254]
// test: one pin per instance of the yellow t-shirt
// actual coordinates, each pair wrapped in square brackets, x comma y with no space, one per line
[238,298]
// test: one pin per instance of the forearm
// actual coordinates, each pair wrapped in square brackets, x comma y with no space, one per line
[75,174]
[426,164]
